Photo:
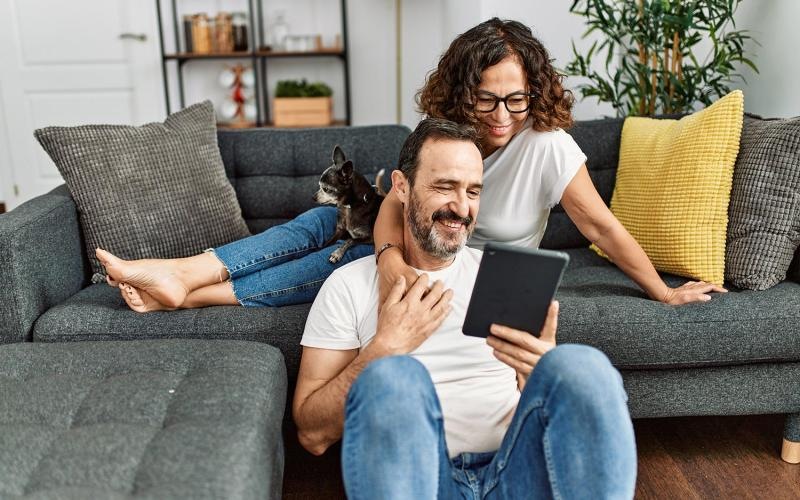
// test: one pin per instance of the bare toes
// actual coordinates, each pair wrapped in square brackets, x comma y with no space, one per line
[140,308]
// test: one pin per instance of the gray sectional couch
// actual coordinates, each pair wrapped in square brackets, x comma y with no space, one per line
[738,354]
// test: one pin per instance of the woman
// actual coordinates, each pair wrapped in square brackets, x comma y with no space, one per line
[496,76]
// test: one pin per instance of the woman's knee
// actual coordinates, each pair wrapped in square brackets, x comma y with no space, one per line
[323,217]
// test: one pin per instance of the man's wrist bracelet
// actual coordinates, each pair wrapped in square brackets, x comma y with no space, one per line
[382,249]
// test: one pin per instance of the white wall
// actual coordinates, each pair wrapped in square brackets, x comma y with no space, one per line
[773,24]
[774,91]
[429,27]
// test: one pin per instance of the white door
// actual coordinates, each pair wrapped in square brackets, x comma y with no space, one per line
[69,63]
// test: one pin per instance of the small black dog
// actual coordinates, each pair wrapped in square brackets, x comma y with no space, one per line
[355,198]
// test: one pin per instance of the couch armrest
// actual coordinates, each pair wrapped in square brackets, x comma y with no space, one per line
[42,261]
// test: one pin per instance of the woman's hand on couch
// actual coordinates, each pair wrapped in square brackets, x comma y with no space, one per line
[691,291]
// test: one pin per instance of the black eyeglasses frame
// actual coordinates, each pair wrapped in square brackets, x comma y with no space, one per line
[504,100]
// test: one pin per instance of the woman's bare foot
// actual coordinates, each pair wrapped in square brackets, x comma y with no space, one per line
[158,278]
[140,301]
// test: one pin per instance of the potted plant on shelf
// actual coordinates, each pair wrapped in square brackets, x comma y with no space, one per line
[652,57]
[302,104]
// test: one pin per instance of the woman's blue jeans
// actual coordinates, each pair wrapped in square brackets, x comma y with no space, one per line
[571,436]
[286,264]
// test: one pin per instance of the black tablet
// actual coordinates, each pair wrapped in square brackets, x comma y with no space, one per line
[514,287]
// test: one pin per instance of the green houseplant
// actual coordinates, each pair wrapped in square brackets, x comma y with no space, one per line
[301,104]
[301,88]
[651,49]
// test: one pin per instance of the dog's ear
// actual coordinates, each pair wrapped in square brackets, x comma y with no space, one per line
[347,169]
[338,156]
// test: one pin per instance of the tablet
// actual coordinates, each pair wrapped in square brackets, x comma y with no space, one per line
[514,287]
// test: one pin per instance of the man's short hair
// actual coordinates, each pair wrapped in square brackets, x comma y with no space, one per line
[435,128]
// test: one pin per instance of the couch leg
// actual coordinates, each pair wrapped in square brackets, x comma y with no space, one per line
[790,452]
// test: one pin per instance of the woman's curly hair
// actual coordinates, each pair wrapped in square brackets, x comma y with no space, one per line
[450,89]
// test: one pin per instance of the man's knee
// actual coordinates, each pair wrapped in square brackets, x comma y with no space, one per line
[582,371]
[391,385]
[401,375]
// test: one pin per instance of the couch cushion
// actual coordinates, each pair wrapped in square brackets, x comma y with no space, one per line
[154,419]
[99,313]
[276,172]
[602,307]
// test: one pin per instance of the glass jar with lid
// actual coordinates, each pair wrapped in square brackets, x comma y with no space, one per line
[240,40]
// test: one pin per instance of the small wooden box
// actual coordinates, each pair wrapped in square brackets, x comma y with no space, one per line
[302,111]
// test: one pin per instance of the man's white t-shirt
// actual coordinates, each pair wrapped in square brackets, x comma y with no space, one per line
[478,393]
[522,181]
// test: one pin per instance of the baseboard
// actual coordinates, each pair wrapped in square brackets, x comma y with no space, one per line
[2,208]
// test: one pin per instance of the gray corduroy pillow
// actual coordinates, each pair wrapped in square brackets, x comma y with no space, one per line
[764,212]
[154,191]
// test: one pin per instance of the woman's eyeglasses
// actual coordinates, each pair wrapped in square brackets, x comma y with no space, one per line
[515,102]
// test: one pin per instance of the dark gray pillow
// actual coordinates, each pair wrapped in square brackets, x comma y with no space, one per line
[158,190]
[764,212]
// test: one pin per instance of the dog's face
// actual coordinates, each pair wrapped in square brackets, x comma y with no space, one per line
[336,180]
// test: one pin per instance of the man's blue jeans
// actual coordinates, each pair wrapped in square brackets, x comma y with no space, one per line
[571,436]
[286,264]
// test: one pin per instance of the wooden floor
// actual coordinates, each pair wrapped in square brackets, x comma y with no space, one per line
[679,458]
[714,457]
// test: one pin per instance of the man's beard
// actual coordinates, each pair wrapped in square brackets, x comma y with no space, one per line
[427,234]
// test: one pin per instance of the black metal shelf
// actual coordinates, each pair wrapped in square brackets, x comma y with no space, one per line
[258,59]
[186,56]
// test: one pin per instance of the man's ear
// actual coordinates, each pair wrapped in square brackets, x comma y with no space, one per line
[400,185]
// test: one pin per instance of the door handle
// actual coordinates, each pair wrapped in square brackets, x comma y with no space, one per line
[141,37]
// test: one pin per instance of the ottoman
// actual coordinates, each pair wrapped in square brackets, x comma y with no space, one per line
[141,419]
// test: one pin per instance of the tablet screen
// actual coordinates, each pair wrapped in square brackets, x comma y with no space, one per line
[514,287]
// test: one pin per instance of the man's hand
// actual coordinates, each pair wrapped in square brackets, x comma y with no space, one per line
[391,266]
[521,350]
[405,322]
[691,291]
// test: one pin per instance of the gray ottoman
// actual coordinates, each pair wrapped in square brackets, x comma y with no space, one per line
[142,419]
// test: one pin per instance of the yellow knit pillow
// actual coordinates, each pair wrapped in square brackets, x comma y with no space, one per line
[674,184]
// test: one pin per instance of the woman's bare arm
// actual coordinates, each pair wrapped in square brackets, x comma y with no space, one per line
[595,221]
[389,229]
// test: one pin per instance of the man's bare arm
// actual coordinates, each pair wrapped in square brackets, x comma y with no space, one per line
[326,375]
[322,386]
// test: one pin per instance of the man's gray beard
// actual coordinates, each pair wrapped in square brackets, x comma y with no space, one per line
[428,238]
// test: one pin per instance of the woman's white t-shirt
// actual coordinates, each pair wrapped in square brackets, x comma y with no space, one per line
[522,181]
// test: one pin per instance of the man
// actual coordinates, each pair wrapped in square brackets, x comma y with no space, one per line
[425,411]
